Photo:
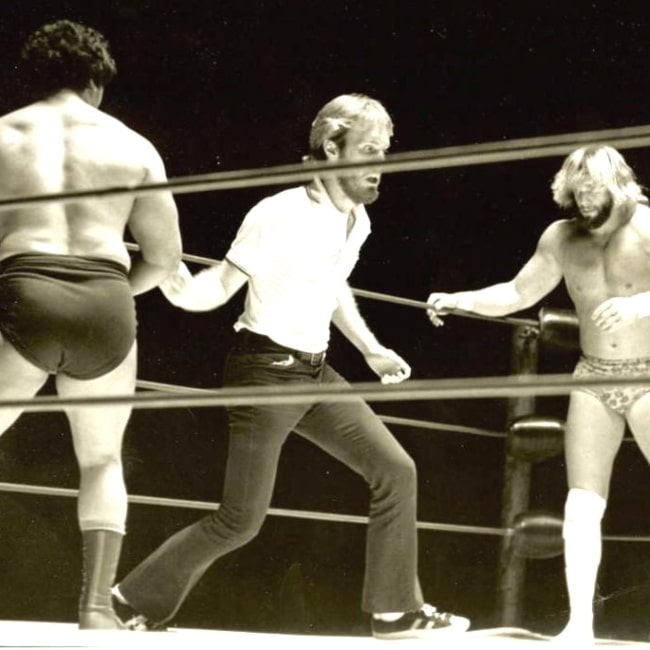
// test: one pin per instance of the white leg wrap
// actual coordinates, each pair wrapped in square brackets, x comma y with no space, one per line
[583,509]
[583,513]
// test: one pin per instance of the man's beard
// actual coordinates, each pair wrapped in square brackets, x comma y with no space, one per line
[595,222]
[358,191]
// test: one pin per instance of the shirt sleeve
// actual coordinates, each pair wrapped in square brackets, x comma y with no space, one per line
[250,248]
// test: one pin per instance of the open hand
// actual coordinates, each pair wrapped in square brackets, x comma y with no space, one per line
[615,313]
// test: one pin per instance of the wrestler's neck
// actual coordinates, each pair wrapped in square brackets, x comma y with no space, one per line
[620,217]
[91,95]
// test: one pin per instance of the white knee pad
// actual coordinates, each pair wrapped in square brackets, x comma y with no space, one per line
[583,511]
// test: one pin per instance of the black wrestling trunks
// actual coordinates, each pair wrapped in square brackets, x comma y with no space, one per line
[68,314]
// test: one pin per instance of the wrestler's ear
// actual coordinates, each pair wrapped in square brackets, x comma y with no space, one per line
[93,93]
[331,150]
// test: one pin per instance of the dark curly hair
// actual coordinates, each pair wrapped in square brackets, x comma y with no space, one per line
[65,54]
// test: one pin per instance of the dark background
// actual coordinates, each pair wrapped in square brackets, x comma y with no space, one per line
[225,85]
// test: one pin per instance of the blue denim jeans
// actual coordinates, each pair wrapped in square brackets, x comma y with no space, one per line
[348,431]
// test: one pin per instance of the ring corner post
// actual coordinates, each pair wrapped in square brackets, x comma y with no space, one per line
[516,484]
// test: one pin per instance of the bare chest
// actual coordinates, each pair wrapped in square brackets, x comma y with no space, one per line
[595,271]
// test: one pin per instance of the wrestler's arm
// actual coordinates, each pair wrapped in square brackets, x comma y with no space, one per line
[384,362]
[208,289]
[153,223]
[537,278]
[215,285]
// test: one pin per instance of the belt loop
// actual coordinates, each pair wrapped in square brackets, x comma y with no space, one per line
[312,358]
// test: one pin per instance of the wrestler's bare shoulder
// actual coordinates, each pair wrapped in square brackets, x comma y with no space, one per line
[558,233]
[44,123]
[640,220]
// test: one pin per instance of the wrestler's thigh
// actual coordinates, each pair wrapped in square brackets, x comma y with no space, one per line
[18,377]
[99,428]
[638,418]
[593,436]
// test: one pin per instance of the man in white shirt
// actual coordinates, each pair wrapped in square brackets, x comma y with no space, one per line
[295,251]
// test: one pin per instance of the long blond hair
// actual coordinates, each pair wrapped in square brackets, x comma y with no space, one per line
[599,164]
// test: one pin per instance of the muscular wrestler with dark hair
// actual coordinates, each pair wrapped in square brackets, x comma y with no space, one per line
[66,279]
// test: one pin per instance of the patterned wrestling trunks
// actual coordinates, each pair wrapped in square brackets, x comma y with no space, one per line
[617,398]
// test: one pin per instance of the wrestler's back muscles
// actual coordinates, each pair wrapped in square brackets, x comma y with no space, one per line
[50,149]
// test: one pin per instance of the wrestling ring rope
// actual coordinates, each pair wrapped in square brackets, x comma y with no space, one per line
[443,157]
[527,535]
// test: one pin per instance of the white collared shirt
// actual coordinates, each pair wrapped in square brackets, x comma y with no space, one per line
[295,248]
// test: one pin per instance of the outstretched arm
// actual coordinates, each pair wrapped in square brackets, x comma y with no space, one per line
[208,289]
[384,362]
[537,278]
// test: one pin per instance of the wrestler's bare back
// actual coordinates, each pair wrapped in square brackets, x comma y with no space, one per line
[599,266]
[64,144]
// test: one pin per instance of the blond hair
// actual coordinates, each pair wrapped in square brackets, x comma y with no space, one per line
[338,116]
[601,165]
